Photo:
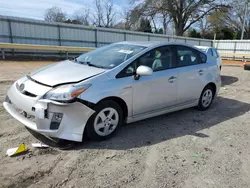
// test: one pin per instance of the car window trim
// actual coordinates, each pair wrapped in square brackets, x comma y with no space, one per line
[197,51]
[216,53]
[212,53]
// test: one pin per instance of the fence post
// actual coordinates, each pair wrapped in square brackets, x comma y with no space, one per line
[235,47]
[199,42]
[3,55]
[96,37]
[11,35]
[125,36]
[148,37]
[10,31]
[59,35]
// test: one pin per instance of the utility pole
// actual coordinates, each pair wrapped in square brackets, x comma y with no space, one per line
[244,20]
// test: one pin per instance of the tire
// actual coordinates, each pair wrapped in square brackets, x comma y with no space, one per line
[206,98]
[105,122]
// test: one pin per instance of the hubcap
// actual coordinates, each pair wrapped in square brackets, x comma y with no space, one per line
[207,98]
[106,121]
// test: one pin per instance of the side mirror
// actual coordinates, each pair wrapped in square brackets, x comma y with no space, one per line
[144,71]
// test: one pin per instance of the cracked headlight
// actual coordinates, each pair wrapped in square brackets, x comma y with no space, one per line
[65,93]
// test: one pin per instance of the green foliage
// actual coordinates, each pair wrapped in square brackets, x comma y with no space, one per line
[72,21]
[194,33]
[160,31]
[145,26]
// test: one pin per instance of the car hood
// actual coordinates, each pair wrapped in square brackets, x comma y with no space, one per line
[64,72]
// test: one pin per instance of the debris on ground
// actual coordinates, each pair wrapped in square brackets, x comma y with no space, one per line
[39,145]
[18,150]
[196,155]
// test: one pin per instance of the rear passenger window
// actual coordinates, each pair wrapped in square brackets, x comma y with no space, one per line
[210,52]
[187,56]
[203,58]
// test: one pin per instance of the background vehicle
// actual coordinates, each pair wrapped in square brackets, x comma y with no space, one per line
[213,52]
[99,90]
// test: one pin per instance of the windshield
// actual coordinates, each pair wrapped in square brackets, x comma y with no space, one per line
[110,56]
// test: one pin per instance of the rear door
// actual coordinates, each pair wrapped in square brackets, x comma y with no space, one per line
[191,73]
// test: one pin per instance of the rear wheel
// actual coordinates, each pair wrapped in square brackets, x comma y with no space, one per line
[106,120]
[206,98]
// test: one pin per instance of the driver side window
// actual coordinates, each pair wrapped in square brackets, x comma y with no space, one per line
[129,70]
[158,59]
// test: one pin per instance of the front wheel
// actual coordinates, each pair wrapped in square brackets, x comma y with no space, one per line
[206,98]
[107,118]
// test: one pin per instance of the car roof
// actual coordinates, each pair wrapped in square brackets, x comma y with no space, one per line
[203,47]
[153,43]
[142,43]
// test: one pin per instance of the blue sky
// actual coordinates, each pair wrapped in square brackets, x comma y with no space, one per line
[36,8]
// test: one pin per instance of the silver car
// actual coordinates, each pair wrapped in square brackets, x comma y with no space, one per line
[122,82]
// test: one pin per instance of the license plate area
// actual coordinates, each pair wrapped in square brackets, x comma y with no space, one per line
[23,113]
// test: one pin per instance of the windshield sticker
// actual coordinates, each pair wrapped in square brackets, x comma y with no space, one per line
[126,51]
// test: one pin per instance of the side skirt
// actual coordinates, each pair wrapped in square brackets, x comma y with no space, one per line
[162,111]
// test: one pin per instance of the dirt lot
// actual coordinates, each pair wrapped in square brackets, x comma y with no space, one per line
[186,149]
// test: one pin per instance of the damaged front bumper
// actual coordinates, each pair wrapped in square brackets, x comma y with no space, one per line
[47,117]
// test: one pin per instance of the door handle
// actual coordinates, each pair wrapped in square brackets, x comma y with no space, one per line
[201,72]
[172,79]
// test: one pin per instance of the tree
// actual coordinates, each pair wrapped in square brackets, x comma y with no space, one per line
[82,16]
[104,15]
[72,21]
[127,21]
[236,18]
[145,26]
[109,14]
[194,33]
[184,13]
[204,26]
[98,16]
[159,31]
[55,14]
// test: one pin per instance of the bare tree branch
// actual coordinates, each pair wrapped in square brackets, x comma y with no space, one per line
[55,14]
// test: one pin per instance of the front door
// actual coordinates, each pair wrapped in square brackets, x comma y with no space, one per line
[151,93]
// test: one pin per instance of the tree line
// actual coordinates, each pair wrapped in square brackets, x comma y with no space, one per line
[193,18]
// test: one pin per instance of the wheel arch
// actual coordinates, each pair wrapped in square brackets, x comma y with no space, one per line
[120,102]
[213,85]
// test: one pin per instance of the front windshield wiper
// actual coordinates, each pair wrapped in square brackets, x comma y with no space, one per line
[77,61]
[94,65]
[88,63]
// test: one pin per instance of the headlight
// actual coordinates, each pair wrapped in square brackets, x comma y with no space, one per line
[65,93]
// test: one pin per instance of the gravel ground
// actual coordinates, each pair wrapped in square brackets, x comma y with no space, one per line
[185,149]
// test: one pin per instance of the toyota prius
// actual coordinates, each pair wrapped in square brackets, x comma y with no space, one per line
[123,82]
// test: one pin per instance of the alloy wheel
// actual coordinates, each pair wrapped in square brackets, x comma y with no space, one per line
[106,121]
[207,98]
